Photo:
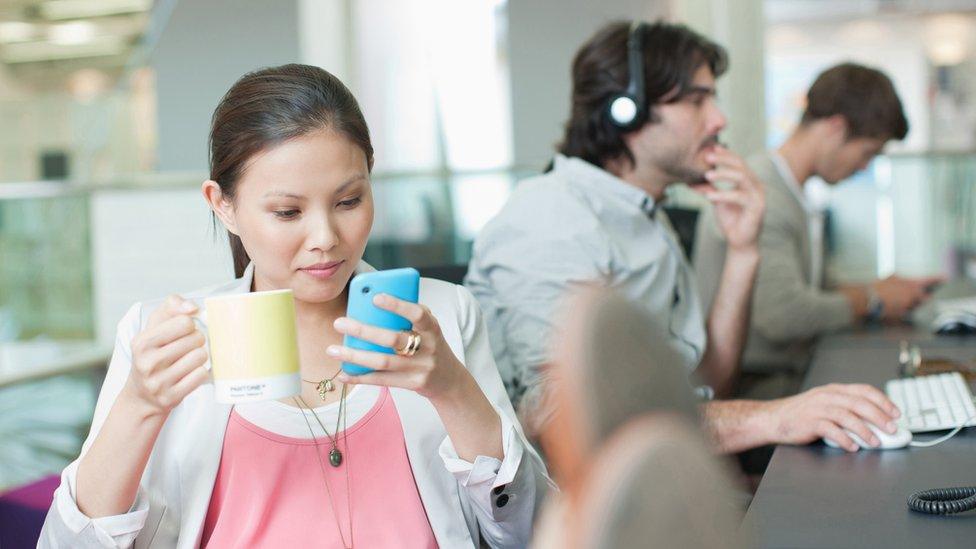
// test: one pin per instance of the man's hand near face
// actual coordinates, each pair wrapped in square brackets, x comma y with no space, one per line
[739,208]
[740,203]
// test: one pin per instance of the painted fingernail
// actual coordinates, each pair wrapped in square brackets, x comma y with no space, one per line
[334,350]
[341,323]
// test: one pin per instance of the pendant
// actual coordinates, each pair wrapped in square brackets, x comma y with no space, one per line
[324,386]
[335,457]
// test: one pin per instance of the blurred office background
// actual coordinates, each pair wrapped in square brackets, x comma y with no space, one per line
[105,107]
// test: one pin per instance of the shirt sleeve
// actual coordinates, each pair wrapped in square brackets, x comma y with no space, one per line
[709,257]
[543,244]
[113,531]
[66,525]
[506,493]
[486,468]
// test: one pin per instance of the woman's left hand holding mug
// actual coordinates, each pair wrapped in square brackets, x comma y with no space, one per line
[168,358]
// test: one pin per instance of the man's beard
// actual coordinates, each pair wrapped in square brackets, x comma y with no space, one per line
[681,169]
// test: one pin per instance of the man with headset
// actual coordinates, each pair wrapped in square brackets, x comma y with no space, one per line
[644,116]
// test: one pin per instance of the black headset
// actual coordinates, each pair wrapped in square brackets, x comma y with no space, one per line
[628,110]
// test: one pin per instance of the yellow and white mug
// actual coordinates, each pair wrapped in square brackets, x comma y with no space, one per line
[253,346]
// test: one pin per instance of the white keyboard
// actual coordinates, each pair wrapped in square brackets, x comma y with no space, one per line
[932,403]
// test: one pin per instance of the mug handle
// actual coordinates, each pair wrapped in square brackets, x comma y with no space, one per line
[202,326]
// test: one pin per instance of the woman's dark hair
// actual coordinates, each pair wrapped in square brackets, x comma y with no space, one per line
[672,54]
[269,106]
[865,97]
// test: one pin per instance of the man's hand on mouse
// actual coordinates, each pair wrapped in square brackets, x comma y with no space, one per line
[828,412]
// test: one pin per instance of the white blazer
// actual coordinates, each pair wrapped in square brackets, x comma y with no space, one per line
[175,490]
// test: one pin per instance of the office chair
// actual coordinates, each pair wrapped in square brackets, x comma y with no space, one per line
[449,273]
[684,221]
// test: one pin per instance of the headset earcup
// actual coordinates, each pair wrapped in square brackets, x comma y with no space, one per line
[624,112]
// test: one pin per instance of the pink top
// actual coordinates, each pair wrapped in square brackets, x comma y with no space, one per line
[269,490]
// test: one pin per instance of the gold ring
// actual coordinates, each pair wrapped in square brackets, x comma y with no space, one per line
[412,345]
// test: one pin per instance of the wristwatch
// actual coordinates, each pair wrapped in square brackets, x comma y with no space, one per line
[875,305]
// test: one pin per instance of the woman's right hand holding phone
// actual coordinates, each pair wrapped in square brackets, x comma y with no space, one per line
[168,358]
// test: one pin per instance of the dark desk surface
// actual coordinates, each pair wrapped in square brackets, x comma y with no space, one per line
[815,496]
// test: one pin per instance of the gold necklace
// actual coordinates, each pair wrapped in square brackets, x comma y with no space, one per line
[335,456]
[335,449]
[324,386]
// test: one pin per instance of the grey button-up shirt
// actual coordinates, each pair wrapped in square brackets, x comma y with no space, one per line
[577,224]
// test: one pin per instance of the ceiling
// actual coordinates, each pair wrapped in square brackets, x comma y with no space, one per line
[782,11]
[70,33]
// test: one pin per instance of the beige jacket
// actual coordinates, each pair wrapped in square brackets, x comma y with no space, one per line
[175,491]
[788,313]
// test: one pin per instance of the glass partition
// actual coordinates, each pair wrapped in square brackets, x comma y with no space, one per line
[910,214]
[55,238]
[431,221]
[45,268]
[907,214]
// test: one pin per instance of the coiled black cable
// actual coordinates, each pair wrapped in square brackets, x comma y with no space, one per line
[943,501]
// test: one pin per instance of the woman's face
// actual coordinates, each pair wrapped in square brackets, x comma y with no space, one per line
[303,211]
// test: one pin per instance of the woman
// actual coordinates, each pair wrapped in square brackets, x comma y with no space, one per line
[430,452]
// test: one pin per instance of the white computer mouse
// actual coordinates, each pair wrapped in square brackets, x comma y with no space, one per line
[898,439]
[955,322]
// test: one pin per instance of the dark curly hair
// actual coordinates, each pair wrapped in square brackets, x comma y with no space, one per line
[672,54]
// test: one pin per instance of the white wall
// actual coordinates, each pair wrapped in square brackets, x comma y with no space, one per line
[325,37]
[739,27]
[204,48]
[543,35]
[148,244]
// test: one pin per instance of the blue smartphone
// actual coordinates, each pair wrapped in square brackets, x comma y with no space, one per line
[400,283]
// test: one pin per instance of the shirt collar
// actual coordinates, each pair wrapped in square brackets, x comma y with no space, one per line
[601,180]
[787,174]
